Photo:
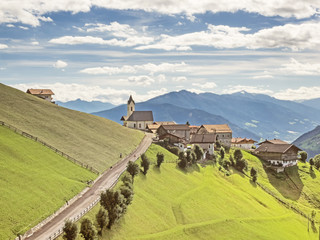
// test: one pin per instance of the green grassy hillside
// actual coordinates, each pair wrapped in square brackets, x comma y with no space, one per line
[203,203]
[90,139]
[310,142]
[34,182]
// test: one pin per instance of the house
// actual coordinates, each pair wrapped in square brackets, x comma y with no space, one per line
[278,155]
[273,141]
[45,94]
[205,141]
[175,132]
[244,143]
[223,132]
[136,119]
[154,127]
[193,129]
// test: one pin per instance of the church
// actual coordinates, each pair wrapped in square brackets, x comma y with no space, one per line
[136,119]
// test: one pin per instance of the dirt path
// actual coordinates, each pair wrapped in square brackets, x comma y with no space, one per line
[75,209]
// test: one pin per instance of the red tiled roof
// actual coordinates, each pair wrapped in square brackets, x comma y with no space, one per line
[40,91]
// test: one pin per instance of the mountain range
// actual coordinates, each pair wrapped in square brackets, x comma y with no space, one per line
[315,103]
[249,115]
[84,106]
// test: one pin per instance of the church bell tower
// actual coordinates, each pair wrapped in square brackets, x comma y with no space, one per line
[130,106]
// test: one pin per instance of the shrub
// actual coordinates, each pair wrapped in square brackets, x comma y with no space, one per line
[160,159]
[87,229]
[70,231]
[237,155]
[241,165]
[198,151]
[133,169]
[222,153]
[174,150]
[303,156]
[145,163]
[102,219]
[316,160]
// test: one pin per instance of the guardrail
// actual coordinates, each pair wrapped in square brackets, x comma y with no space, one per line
[27,135]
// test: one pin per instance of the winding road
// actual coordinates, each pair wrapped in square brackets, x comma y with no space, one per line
[107,180]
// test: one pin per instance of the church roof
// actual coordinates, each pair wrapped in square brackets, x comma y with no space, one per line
[141,116]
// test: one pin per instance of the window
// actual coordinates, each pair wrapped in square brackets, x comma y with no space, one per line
[139,125]
[131,109]
[134,125]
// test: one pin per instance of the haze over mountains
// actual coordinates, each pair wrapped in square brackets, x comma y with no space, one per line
[310,142]
[84,106]
[249,115]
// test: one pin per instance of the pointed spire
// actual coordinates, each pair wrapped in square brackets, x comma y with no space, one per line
[131,100]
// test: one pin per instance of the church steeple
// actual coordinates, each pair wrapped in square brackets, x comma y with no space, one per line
[130,106]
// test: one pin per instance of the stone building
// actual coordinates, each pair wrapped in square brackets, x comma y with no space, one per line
[222,131]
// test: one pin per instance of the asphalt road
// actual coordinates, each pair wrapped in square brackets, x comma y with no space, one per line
[107,180]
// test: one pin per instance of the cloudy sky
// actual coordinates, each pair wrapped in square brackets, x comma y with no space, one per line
[106,49]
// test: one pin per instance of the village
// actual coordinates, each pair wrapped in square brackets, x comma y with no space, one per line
[276,153]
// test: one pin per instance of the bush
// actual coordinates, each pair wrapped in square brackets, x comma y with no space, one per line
[145,163]
[316,160]
[160,159]
[173,150]
[222,153]
[303,156]
[183,163]
[198,151]
[237,155]
[232,162]
[241,165]
[102,219]
[87,229]
[254,174]
[226,164]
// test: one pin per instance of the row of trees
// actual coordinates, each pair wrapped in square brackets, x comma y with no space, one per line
[190,157]
[315,161]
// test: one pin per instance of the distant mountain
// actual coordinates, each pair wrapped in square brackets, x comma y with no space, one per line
[315,103]
[84,106]
[266,116]
[310,142]
[169,112]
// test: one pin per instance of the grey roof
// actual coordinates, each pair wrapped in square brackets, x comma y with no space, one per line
[176,127]
[276,148]
[203,138]
[131,100]
[141,116]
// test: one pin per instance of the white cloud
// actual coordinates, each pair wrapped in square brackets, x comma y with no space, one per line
[3,46]
[141,80]
[298,94]
[10,25]
[265,76]
[290,36]
[295,67]
[32,12]
[207,85]
[76,40]
[35,43]
[148,67]
[250,125]
[180,79]
[249,89]
[115,28]
[161,78]
[23,28]
[60,64]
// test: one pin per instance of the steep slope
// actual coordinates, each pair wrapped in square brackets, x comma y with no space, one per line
[315,103]
[310,142]
[84,106]
[34,182]
[203,203]
[265,116]
[90,139]
[169,112]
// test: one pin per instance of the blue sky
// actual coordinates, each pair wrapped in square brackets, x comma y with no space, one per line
[106,50]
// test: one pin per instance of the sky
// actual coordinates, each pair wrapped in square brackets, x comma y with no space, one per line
[105,50]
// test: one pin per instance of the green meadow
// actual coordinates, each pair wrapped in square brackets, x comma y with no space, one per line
[34,183]
[203,203]
[92,140]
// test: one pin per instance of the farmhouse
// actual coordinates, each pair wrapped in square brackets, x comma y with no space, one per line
[244,143]
[45,94]
[205,141]
[175,133]
[222,131]
[136,119]
[154,127]
[278,155]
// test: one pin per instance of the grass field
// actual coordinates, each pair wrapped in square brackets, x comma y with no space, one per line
[202,203]
[34,182]
[90,139]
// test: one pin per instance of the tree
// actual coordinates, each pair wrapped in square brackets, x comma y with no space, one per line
[70,230]
[254,174]
[303,156]
[127,193]
[183,161]
[316,160]
[232,163]
[102,219]
[311,161]
[145,163]
[133,169]
[160,159]
[198,151]
[194,157]
[113,202]
[237,155]
[241,164]
[189,156]
[87,229]
[222,153]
